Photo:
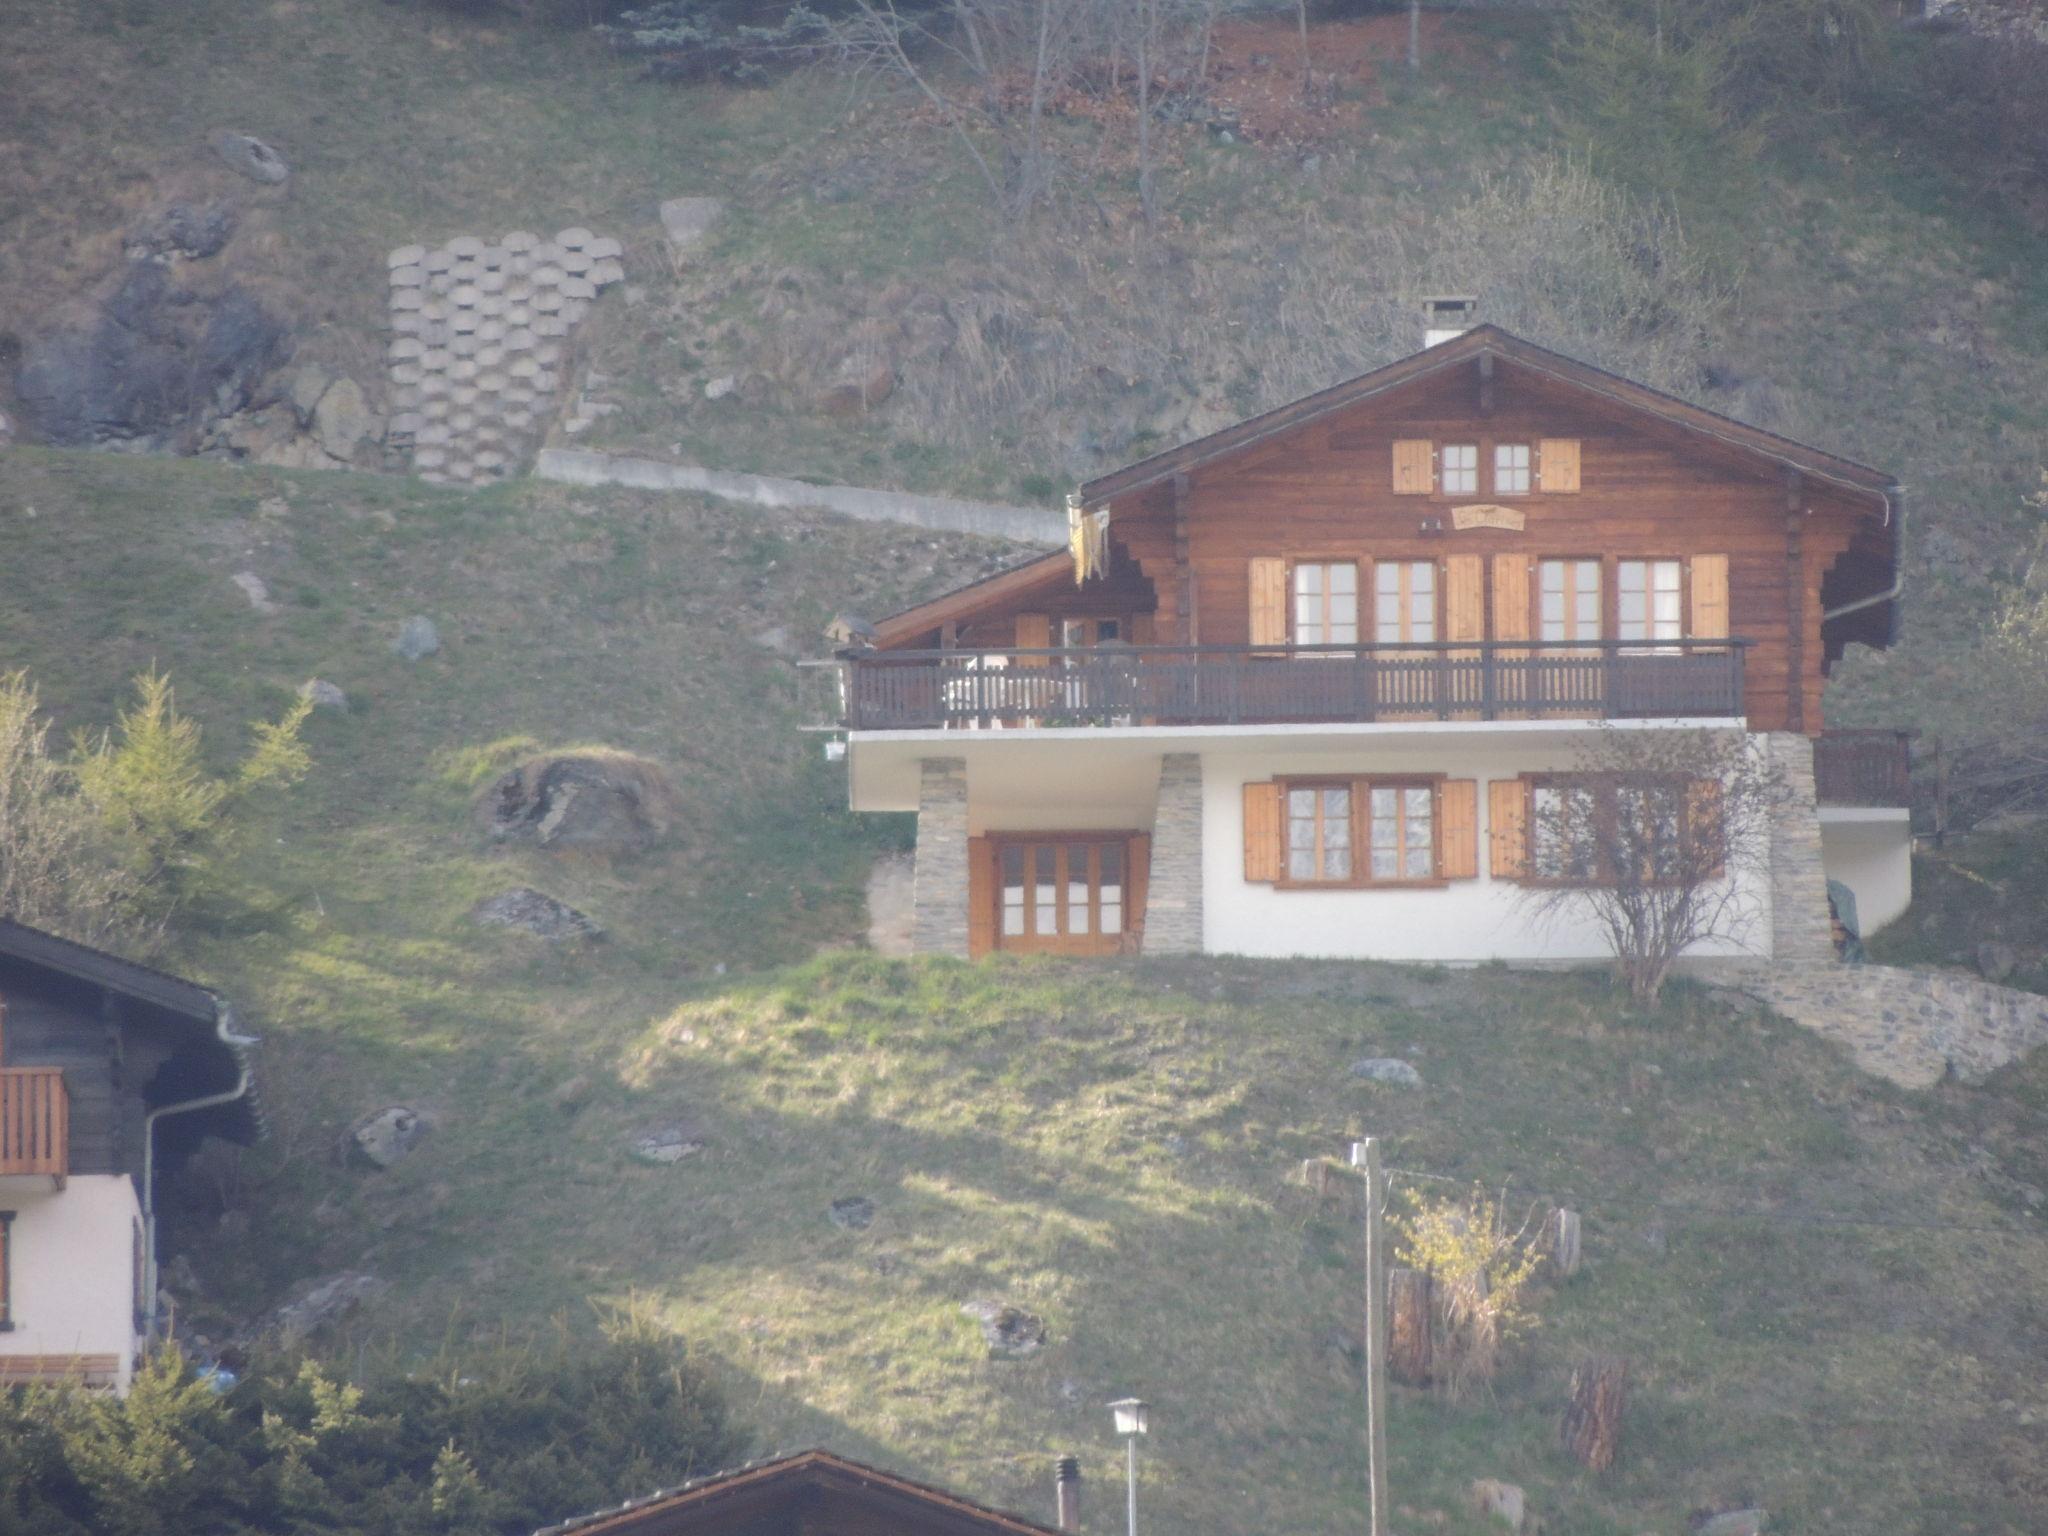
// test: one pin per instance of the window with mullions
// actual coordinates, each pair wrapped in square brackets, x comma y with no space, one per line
[1649,600]
[1319,834]
[1458,469]
[1404,602]
[1326,603]
[1402,833]
[1511,468]
[1569,600]
[1587,833]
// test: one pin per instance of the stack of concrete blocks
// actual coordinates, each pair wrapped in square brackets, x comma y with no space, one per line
[480,338]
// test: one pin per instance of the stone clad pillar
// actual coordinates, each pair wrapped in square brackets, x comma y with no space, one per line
[1801,935]
[939,884]
[1173,916]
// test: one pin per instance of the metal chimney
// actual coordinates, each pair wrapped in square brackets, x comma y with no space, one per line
[1067,1492]
[1445,315]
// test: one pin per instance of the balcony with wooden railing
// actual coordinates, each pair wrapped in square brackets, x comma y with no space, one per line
[1864,768]
[35,1122]
[1241,685]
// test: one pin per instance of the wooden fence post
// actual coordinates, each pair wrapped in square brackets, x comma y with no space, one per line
[1411,1348]
[1562,1240]
[1592,1419]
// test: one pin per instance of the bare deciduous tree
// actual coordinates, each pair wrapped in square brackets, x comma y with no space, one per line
[1661,838]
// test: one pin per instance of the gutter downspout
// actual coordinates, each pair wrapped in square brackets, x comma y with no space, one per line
[1895,515]
[224,1027]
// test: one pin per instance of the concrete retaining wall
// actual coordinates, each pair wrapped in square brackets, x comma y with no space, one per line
[1022,525]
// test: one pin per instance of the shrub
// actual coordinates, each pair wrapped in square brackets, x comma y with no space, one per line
[1481,1271]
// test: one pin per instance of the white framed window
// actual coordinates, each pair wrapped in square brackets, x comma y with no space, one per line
[1510,469]
[1649,600]
[1458,469]
[1569,600]
[1318,833]
[1326,603]
[1402,835]
[1404,602]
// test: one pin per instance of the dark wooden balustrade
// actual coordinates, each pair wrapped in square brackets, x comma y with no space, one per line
[35,1121]
[1233,685]
[1864,768]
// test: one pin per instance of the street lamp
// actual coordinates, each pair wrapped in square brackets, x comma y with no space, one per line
[1131,1421]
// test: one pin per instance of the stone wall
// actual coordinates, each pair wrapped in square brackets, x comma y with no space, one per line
[939,893]
[1913,1027]
[1173,903]
[1801,935]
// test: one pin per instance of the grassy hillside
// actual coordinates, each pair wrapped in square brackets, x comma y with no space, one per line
[1113,1148]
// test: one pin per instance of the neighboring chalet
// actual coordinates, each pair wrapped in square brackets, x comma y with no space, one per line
[1302,686]
[109,1072]
[814,1493]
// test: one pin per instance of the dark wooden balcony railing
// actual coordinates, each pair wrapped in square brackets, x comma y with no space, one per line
[1236,684]
[35,1121]
[1864,768]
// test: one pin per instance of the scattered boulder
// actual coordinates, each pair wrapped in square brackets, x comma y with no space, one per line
[1011,1332]
[687,220]
[320,1302]
[720,387]
[386,1137]
[776,638]
[1505,1502]
[534,912]
[1730,1522]
[1996,960]
[860,385]
[855,1213]
[670,1143]
[343,420]
[251,157]
[602,802]
[256,590]
[417,638]
[324,695]
[182,232]
[1387,1069]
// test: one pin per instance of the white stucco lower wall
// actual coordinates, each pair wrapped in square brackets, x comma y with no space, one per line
[1464,921]
[1871,852]
[72,1267]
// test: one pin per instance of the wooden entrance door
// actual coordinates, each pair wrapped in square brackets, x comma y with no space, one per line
[1066,894]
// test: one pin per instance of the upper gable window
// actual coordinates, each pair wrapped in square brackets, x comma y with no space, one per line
[1460,469]
[1510,469]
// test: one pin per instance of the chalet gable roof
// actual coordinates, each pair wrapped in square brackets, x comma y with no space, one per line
[749,1499]
[1481,342]
[199,1023]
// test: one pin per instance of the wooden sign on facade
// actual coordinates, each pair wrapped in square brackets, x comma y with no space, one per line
[1487,516]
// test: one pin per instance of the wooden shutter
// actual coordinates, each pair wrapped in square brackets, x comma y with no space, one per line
[1709,618]
[1705,827]
[1557,459]
[1268,580]
[1137,890]
[1414,466]
[1507,829]
[1465,597]
[1457,803]
[1262,833]
[1511,597]
[981,896]
[1034,633]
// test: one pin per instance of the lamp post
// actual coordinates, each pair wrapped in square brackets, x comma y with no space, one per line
[1365,1157]
[1131,1422]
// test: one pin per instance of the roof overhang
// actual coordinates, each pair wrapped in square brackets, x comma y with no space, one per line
[1490,341]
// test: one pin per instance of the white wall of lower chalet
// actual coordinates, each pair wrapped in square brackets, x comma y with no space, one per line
[1871,852]
[72,1267]
[1463,921]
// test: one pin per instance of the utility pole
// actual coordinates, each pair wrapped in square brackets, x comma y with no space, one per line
[1365,1155]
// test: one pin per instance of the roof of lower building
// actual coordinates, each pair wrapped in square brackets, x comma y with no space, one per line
[732,1500]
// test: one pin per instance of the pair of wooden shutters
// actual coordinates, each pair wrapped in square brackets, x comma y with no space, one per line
[1415,460]
[1509,812]
[1465,612]
[984,892]
[1265,830]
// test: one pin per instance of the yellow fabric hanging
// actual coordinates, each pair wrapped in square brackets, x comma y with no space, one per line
[1087,540]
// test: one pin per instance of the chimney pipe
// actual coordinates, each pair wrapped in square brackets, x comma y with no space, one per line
[1067,1492]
